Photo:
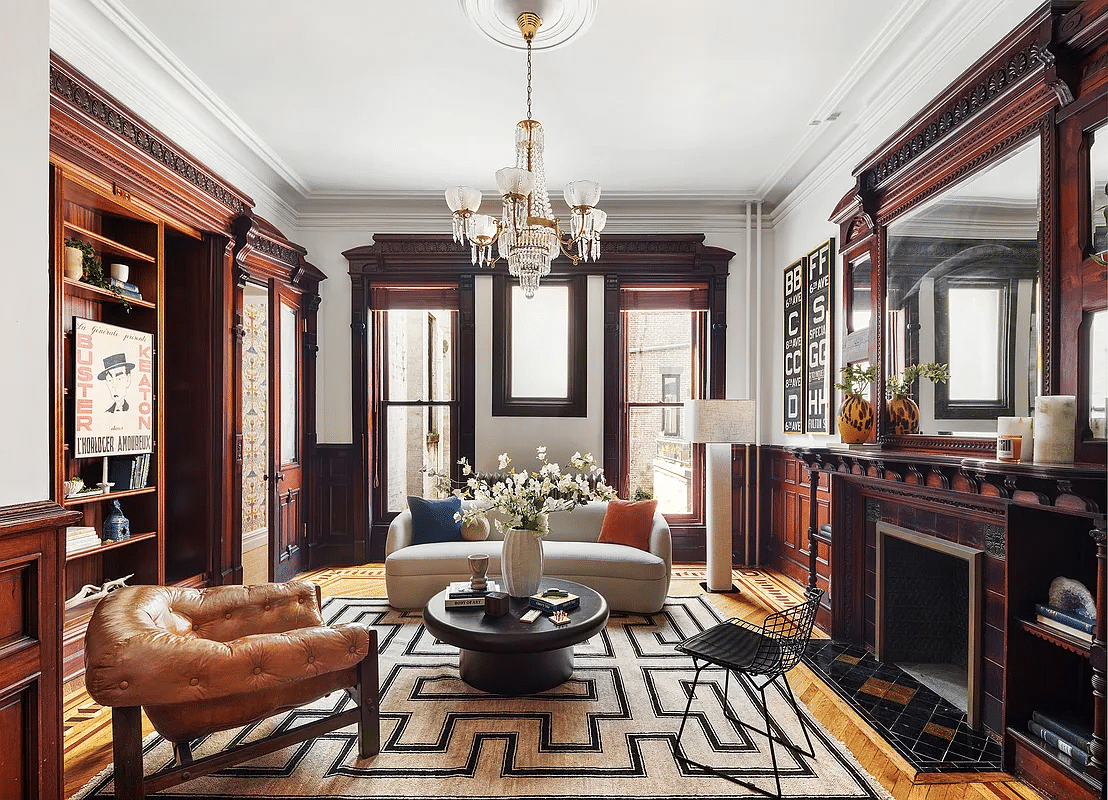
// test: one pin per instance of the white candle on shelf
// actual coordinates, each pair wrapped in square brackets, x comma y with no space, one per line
[1055,417]
[1022,427]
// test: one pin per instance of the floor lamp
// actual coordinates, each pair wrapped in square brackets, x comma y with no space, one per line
[718,424]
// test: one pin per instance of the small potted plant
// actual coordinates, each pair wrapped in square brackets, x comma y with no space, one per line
[855,412]
[902,411]
[91,269]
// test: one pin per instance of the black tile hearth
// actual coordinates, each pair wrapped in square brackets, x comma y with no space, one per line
[929,732]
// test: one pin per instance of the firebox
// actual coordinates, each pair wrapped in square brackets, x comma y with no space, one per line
[928,614]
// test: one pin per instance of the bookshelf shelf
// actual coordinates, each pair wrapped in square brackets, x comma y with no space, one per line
[1071,643]
[97,498]
[95,551]
[88,291]
[109,245]
[1025,741]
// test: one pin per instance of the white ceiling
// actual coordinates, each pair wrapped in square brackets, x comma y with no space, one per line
[346,99]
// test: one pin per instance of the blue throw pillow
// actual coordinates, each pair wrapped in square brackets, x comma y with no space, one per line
[433,520]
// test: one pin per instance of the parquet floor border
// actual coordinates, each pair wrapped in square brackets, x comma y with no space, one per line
[87,725]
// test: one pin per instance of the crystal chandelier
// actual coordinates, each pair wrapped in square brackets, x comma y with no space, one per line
[528,235]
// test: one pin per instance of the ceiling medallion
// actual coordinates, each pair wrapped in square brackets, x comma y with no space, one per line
[528,235]
[561,20]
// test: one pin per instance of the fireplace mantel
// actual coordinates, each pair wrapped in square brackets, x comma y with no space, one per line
[1033,522]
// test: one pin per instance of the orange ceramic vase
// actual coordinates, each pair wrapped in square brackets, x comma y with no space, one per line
[855,419]
[903,414]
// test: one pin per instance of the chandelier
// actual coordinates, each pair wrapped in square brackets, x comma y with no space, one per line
[528,235]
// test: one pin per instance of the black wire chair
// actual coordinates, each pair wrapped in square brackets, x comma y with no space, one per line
[758,656]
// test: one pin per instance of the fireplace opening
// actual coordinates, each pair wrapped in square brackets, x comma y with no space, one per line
[928,613]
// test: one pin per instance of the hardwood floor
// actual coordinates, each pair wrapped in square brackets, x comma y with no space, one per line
[88,747]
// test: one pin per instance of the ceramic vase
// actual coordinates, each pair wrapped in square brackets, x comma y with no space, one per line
[855,419]
[116,526]
[903,414]
[74,263]
[521,562]
[476,529]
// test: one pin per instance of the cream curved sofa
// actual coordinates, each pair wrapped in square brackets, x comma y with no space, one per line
[630,579]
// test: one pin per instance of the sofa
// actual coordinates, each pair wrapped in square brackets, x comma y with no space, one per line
[630,579]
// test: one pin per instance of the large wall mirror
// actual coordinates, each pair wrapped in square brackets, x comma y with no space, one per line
[962,283]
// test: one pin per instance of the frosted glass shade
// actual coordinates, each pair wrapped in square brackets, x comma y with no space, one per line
[582,193]
[720,421]
[463,198]
[599,220]
[515,180]
[481,226]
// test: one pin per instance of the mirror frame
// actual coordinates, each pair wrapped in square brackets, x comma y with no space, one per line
[1005,99]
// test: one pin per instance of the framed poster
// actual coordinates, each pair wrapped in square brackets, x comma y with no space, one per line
[113,390]
[819,305]
[793,353]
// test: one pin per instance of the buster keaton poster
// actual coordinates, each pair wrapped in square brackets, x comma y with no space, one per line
[113,390]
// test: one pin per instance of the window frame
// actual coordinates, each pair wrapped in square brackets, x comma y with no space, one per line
[575,403]
[409,297]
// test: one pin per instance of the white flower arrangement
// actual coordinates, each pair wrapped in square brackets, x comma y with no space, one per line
[524,498]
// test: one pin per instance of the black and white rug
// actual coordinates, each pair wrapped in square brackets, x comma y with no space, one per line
[610,731]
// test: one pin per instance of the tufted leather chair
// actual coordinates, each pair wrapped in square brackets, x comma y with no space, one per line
[200,661]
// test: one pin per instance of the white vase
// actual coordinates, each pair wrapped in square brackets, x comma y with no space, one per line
[521,562]
[74,263]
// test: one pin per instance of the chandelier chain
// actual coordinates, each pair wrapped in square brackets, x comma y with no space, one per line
[528,79]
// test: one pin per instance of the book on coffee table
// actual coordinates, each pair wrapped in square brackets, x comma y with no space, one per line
[463,589]
[554,600]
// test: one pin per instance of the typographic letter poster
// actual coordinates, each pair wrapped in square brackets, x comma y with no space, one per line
[819,305]
[113,390]
[794,347]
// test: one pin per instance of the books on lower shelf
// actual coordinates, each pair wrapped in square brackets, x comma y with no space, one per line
[554,600]
[1063,731]
[1071,624]
[79,538]
[129,472]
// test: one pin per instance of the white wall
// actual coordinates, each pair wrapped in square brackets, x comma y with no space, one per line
[517,436]
[24,207]
[800,222]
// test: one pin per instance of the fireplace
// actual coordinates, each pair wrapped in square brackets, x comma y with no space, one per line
[928,613]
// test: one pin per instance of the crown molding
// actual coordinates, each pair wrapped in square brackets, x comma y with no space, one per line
[960,27]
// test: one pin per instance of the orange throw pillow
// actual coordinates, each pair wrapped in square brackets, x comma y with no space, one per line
[628,522]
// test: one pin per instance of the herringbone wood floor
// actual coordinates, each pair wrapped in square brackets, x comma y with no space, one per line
[88,736]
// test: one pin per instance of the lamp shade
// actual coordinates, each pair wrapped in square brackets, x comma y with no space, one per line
[482,228]
[582,193]
[514,180]
[463,198]
[720,421]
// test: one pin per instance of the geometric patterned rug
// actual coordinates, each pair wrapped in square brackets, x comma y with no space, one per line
[609,731]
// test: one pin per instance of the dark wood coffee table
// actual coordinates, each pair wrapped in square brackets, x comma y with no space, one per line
[502,655]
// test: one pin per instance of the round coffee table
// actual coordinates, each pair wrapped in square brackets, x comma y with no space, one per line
[502,655]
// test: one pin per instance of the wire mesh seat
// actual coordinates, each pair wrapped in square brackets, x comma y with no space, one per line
[758,655]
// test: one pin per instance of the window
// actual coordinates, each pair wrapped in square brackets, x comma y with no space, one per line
[415,389]
[539,356]
[664,332]
[982,376]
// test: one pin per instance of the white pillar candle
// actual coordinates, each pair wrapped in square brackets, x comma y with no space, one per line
[1055,418]
[1022,427]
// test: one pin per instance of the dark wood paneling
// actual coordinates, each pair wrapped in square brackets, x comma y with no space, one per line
[32,543]
[332,531]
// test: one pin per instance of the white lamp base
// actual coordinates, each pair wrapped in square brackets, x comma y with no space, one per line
[717,517]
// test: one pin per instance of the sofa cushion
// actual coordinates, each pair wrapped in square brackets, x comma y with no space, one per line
[628,522]
[442,558]
[433,520]
[600,560]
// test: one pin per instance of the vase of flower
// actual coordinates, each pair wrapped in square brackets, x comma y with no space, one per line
[903,414]
[521,562]
[855,419]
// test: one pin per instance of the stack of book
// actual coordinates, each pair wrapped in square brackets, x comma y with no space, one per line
[459,594]
[128,290]
[129,472]
[1065,621]
[1065,737]
[79,538]
[554,600]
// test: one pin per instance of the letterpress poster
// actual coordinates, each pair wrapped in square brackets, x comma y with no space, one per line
[113,390]
[819,304]
[794,347]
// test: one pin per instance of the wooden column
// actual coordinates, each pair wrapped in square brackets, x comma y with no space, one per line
[1098,753]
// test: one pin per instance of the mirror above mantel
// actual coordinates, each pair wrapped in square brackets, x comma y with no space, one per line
[962,289]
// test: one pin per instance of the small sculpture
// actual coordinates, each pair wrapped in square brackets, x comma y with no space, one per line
[92,592]
[1067,594]
[116,526]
